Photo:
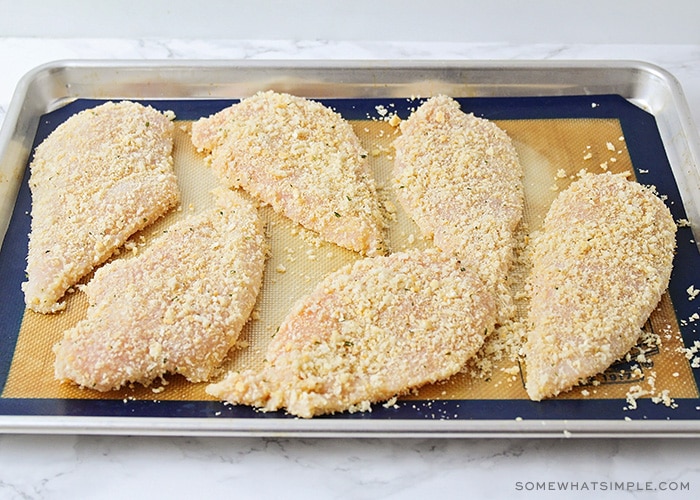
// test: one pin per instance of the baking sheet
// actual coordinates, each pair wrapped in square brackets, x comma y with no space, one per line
[556,136]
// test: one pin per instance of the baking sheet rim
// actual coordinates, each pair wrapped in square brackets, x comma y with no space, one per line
[327,428]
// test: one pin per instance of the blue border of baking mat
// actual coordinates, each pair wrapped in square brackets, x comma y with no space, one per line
[650,162]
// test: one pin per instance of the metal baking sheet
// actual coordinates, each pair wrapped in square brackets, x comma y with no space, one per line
[660,147]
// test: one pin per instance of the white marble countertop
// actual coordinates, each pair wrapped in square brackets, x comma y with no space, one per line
[37,466]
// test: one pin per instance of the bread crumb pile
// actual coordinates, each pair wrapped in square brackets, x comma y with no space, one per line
[301,158]
[176,307]
[99,177]
[502,349]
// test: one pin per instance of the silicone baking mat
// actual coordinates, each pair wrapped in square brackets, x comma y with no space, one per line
[556,138]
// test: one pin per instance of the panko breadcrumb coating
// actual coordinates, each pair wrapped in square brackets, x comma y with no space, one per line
[459,177]
[301,158]
[368,332]
[601,263]
[99,177]
[177,307]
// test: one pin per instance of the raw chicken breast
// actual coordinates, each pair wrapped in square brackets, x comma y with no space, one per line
[177,307]
[99,177]
[459,178]
[368,332]
[600,265]
[301,158]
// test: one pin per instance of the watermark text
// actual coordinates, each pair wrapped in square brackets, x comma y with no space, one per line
[589,486]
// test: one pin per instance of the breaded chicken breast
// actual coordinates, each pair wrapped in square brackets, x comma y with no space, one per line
[99,177]
[301,158]
[370,331]
[177,307]
[600,266]
[459,178]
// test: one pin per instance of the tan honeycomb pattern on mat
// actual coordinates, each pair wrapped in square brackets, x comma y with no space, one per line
[552,152]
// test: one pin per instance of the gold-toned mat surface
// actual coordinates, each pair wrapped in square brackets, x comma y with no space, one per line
[552,151]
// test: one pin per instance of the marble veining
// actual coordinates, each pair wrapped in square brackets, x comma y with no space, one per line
[114,467]
[48,467]
[22,55]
